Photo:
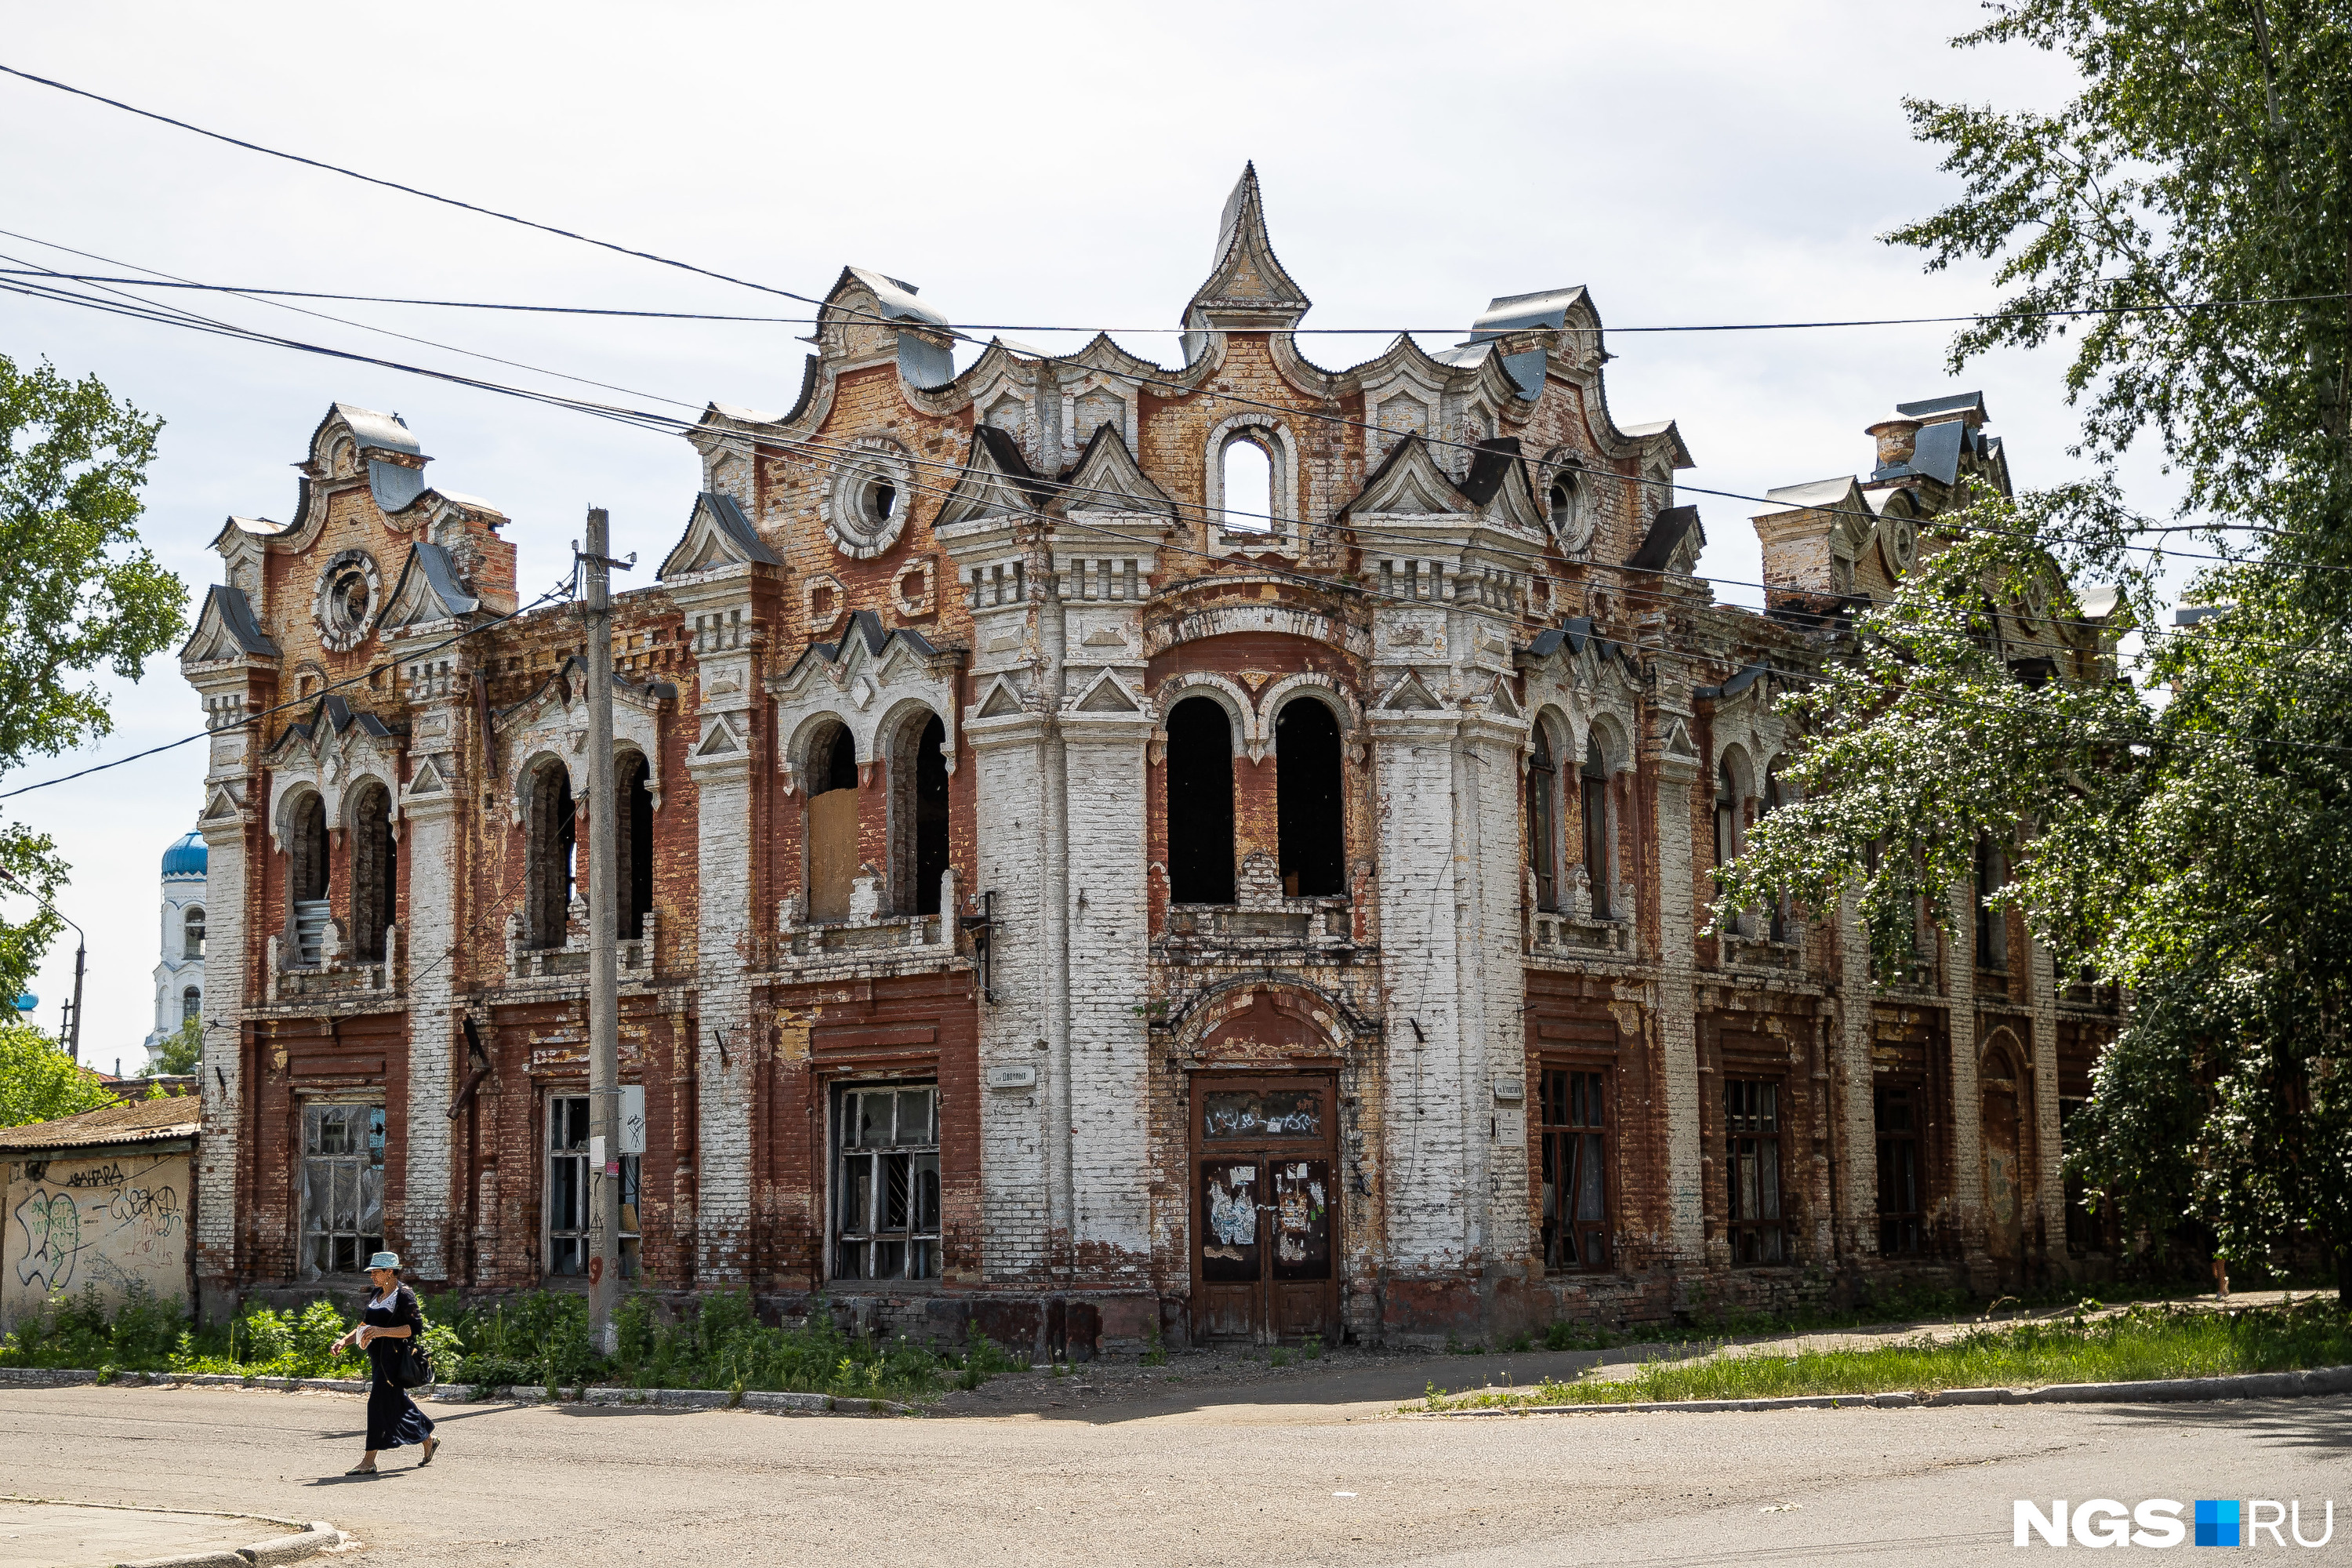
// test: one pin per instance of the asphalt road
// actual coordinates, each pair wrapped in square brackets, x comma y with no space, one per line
[1315,1472]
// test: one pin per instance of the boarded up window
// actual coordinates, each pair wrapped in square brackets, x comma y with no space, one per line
[832,824]
[1543,838]
[1593,783]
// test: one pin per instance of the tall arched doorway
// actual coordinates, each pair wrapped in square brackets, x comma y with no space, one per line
[1265,1180]
[2006,1141]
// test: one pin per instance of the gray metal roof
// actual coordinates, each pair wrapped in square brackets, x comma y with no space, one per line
[370,428]
[393,485]
[894,299]
[1952,403]
[237,615]
[1518,312]
[440,576]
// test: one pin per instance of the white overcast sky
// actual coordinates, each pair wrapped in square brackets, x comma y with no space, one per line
[1033,163]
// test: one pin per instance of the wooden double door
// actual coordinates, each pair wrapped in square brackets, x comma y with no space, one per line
[1265,1220]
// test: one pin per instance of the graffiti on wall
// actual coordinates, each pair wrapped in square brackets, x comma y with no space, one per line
[111,1223]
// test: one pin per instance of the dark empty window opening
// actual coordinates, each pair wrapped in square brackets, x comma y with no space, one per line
[1901,1230]
[1726,815]
[549,865]
[1543,837]
[918,815]
[374,873]
[1993,924]
[832,822]
[632,845]
[306,878]
[192,933]
[1199,782]
[1309,809]
[1594,786]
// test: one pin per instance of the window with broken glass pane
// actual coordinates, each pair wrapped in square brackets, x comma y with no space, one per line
[1574,1133]
[343,1187]
[1753,1170]
[569,1243]
[886,1183]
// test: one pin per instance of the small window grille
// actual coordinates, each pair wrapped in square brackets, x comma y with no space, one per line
[886,1183]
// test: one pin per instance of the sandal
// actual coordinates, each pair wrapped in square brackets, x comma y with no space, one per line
[363,1470]
[432,1446]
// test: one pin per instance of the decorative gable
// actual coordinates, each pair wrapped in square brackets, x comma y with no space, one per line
[553,721]
[429,593]
[1108,479]
[717,536]
[1248,290]
[226,630]
[996,481]
[1409,483]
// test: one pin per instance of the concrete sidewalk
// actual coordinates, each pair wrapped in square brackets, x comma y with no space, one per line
[48,1534]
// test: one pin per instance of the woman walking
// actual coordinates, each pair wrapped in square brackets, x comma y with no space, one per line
[389,1321]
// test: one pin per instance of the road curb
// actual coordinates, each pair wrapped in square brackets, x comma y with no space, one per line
[317,1537]
[467,1394]
[2244,1385]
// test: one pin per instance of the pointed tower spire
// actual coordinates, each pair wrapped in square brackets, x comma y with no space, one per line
[1247,288]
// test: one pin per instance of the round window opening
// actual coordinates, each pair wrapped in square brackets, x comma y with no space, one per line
[347,599]
[880,501]
[866,508]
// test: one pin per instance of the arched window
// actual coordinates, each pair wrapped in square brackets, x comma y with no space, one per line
[1310,815]
[632,845]
[550,860]
[1543,834]
[1600,829]
[918,815]
[192,1005]
[832,824]
[375,872]
[1784,921]
[1727,814]
[306,876]
[1200,803]
[191,932]
[1247,485]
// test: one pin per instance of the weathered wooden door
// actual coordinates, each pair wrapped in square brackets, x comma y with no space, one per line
[1266,1228]
[2005,1190]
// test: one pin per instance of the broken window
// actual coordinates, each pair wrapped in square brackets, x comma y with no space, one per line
[832,822]
[1993,924]
[1599,826]
[1200,804]
[1543,835]
[1901,1228]
[1574,1133]
[1310,821]
[549,859]
[1752,1169]
[343,1187]
[306,878]
[918,815]
[375,872]
[886,1183]
[570,1239]
[632,845]
[192,933]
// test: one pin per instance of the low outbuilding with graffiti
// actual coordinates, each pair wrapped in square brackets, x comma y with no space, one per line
[100,1199]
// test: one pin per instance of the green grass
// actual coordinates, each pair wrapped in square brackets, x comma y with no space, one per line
[2141,1342]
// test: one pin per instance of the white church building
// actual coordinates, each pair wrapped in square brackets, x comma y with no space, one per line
[180,968]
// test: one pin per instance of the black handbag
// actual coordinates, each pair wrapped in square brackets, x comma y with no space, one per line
[412,1364]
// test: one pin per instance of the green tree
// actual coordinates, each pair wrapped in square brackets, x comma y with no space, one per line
[184,1050]
[38,1082]
[2188,834]
[78,590]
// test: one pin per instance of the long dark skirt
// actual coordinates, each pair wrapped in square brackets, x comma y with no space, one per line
[393,1418]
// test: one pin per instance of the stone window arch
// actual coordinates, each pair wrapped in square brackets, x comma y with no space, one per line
[831,840]
[1198,783]
[550,855]
[1733,796]
[192,932]
[1270,440]
[1602,782]
[918,810]
[1310,800]
[376,870]
[192,1004]
[632,842]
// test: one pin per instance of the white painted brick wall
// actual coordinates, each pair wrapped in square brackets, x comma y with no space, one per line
[430,943]
[1678,1088]
[1009,755]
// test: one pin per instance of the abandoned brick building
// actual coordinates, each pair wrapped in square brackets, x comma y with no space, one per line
[1054,893]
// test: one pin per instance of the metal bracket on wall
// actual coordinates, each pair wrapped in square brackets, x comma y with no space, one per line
[981,929]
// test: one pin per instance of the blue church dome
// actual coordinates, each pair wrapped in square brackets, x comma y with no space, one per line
[185,857]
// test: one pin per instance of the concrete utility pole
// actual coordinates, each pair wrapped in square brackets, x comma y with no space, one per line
[603,958]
